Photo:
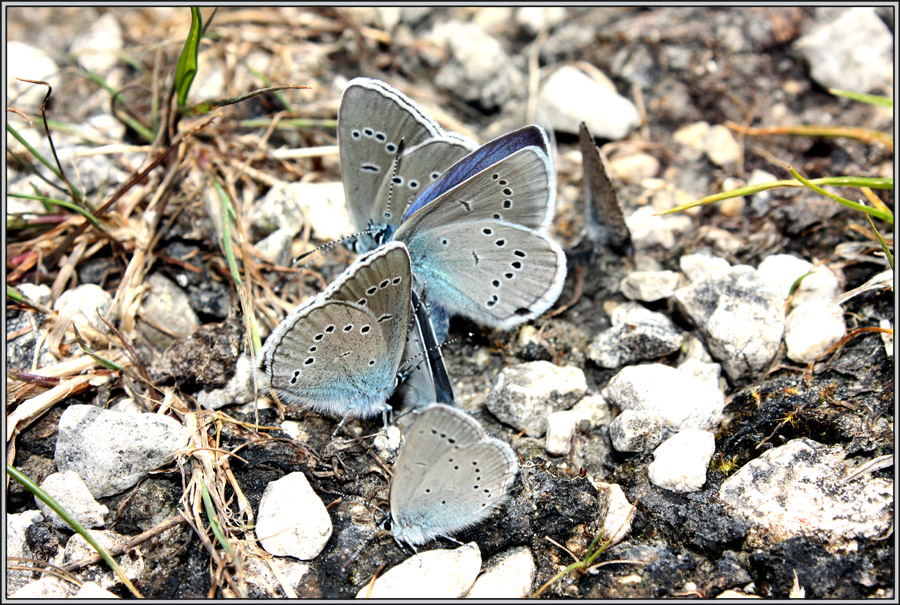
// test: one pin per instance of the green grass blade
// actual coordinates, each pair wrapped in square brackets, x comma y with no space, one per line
[75,525]
[863,97]
[50,165]
[291,124]
[834,181]
[885,216]
[228,215]
[187,62]
[214,522]
[71,206]
[129,121]
[884,246]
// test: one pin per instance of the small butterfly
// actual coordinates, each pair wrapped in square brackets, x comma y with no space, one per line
[339,353]
[449,475]
[476,221]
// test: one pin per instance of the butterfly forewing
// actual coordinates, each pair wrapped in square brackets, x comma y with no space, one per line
[418,167]
[372,119]
[381,283]
[483,158]
[518,189]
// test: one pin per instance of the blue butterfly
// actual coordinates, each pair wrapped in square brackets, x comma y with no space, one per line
[476,222]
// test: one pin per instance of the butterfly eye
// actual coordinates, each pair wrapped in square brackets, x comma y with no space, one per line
[507,204]
[435,175]
[519,253]
[391,148]
[379,136]
[414,184]
[368,132]
[487,231]
[355,134]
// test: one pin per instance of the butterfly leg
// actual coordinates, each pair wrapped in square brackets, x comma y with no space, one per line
[349,413]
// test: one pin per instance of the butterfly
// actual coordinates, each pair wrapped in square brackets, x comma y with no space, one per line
[476,220]
[339,353]
[449,475]
[605,223]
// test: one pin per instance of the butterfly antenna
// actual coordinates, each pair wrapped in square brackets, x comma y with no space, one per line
[323,248]
[387,210]
[402,371]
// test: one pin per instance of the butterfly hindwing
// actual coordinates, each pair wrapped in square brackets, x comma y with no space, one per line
[495,273]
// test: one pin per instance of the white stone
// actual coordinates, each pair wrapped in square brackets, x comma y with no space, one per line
[536,18]
[697,267]
[39,293]
[276,247]
[798,489]
[25,61]
[740,317]
[92,591]
[647,229]
[633,167]
[636,334]
[679,399]
[166,305]
[693,135]
[721,146]
[680,462]
[508,575]
[812,328]
[17,546]
[479,69]
[636,431]
[781,271]
[704,370]
[238,389]
[649,286]
[97,49]
[73,494]
[592,408]
[434,574]
[111,451]
[389,443]
[735,594]
[272,576]
[850,49]
[84,305]
[47,587]
[560,430]
[290,206]
[131,563]
[570,96]
[618,512]
[292,519]
[524,395]
[721,240]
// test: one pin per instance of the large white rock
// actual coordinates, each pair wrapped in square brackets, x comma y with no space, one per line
[292,519]
[434,574]
[508,575]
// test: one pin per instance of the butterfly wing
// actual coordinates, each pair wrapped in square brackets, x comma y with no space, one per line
[329,356]
[495,273]
[449,475]
[605,222]
[511,177]
[339,353]
[372,119]
[381,283]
